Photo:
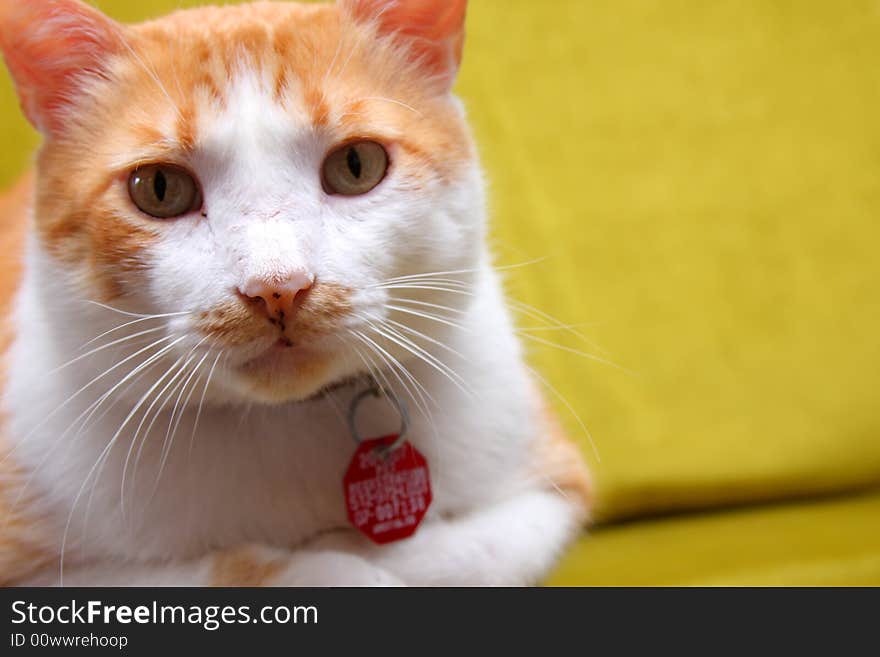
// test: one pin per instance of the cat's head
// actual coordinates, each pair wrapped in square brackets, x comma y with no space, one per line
[270,176]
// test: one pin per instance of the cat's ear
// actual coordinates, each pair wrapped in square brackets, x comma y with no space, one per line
[51,47]
[432,29]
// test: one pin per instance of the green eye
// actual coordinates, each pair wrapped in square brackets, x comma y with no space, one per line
[164,191]
[355,168]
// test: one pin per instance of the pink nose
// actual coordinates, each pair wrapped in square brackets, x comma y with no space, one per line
[278,296]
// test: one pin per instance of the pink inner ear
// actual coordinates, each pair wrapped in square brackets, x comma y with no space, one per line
[48,45]
[435,27]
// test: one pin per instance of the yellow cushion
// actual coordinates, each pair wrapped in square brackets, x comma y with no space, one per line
[834,542]
[704,181]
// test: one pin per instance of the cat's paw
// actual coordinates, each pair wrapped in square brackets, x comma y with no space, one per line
[257,565]
[329,568]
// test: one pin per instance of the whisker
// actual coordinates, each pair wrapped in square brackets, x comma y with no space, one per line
[427,304]
[330,395]
[129,314]
[444,285]
[516,306]
[375,371]
[576,352]
[202,402]
[370,366]
[70,399]
[426,357]
[395,102]
[430,316]
[430,288]
[97,463]
[427,338]
[389,362]
[570,408]
[540,315]
[347,61]
[126,325]
[413,279]
[100,471]
[548,329]
[179,370]
[137,372]
[151,72]
[191,391]
[332,62]
[169,434]
[394,365]
[454,272]
[106,346]
[134,440]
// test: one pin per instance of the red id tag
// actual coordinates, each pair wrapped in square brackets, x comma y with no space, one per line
[387,493]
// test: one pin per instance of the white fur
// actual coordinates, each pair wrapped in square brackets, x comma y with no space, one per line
[271,474]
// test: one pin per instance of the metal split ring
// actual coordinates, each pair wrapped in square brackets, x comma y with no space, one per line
[378,391]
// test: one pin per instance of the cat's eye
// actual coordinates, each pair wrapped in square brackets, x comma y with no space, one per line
[164,191]
[354,168]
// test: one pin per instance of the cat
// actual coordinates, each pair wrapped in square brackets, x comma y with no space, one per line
[240,220]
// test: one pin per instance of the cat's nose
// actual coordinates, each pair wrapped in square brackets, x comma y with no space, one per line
[278,296]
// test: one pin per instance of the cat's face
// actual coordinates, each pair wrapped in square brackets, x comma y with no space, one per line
[259,173]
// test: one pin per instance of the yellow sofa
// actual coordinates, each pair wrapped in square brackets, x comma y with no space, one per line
[702,181]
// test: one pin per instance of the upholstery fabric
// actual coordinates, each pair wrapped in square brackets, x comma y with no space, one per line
[701,181]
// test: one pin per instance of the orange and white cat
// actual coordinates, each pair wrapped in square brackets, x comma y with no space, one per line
[239,214]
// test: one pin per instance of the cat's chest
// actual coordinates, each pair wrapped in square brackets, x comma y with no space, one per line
[242,476]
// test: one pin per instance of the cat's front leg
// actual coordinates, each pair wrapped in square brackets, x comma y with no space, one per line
[240,567]
[513,543]
[259,566]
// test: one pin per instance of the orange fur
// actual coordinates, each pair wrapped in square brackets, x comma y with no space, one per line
[436,28]
[233,324]
[238,322]
[559,462]
[46,62]
[245,567]
[21,550]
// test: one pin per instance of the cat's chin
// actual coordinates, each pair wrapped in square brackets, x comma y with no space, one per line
[284,374]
